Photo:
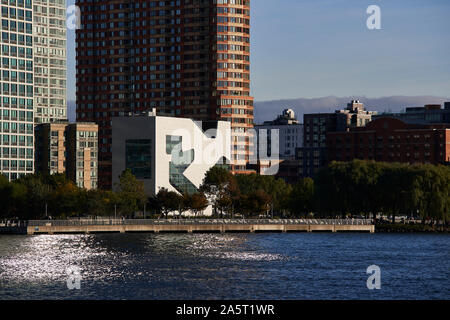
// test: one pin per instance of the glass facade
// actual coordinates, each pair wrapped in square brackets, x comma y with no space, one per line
[181,160]
[139,158]
[16,89]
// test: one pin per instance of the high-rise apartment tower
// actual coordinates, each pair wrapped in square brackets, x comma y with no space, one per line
[16,89]
[50,60]
[186,58]
[32,77]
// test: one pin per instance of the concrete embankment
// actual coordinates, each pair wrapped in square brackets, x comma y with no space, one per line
[222,226]
[13,230]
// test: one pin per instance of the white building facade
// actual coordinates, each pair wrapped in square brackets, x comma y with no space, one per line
[290,133]
[168,152]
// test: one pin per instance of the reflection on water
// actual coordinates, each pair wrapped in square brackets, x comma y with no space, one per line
[224,266]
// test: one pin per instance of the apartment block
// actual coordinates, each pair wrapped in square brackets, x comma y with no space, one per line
[389,139]
[50,60]
[313,155]
[70,148]
[430,113]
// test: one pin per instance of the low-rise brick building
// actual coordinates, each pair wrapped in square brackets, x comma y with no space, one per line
[392,140]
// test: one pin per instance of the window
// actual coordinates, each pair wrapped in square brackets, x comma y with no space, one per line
[138,158]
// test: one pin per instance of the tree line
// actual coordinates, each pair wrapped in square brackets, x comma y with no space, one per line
[369,187]
[342,189]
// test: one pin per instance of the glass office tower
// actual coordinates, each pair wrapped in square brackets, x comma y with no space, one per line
[16,89]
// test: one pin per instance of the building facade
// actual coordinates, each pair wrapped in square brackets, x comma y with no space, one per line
[50,59]
[50,146]
[431,113]
[392,140]
[168,152]
[16,89]
[313,155]
[70,148]
[32,77]
[290,133]
[185,58]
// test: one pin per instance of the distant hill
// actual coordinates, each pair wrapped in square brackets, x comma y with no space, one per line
[268,110]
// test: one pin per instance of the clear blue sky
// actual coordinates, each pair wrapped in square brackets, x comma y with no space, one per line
[315,48]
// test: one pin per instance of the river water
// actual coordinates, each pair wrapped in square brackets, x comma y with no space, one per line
[224,266]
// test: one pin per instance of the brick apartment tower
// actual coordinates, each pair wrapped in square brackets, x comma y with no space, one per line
[186,58]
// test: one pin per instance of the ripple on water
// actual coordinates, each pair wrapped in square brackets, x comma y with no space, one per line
[225,266]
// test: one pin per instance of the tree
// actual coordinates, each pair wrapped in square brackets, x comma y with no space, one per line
[302,196]
[184,203]
[169,201]
[278,190]
[64,199]
[131,193]
[198,203]
[432,190]
[221,189]
[262,201]
[255,203]
[97,202]
[37,197]
[5,197]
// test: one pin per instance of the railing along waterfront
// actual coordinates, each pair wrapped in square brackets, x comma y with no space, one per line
[116,222]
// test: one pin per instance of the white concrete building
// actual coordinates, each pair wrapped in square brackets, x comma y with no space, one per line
[168,152]
[290,133]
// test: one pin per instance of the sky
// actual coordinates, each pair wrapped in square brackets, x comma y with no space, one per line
[319,48]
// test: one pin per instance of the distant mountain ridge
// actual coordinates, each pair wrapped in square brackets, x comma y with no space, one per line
[268,110]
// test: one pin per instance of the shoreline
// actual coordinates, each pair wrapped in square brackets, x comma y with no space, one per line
[409,228]
[385,228]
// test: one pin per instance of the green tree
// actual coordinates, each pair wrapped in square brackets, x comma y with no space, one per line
[278,190]
[221,189]
[255,203]
[38,197]
[130,193]
[169,201]
[302,197]
[6,198]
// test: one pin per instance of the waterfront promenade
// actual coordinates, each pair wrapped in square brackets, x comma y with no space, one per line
[198,226]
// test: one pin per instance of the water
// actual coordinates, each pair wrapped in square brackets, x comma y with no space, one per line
[225,266]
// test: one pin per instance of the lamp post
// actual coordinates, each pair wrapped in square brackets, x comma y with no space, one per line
[272,210]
